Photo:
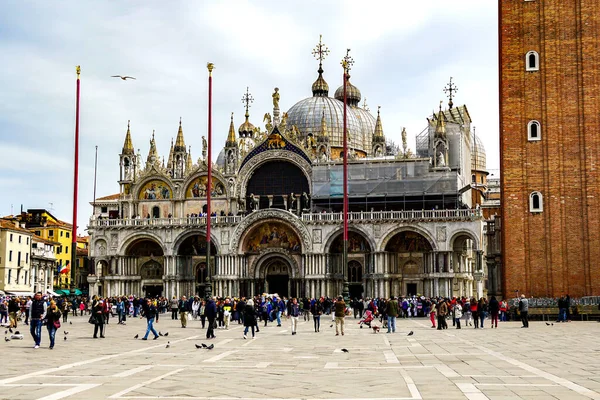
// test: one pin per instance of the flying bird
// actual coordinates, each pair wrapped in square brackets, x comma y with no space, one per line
[212,346]
[136,336]
[345,351]
[122,77]
[410,333]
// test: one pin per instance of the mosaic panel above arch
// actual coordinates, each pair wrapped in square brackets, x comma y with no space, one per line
[408,242]
[271,234]
[198,188]
[155,190]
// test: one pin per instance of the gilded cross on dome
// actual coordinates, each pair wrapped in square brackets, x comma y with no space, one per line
[451,90]
[247,99]
[347,62]
[320,51]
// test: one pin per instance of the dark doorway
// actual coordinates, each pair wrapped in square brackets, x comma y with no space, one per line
[154,290]
[278,284]
[356,291]
[411,289]
[155,212]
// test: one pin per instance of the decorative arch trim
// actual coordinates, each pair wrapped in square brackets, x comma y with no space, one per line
[255,162]
[390,234]
[257,268]
[464,232]
[139,236]
[333,235]
[191,232]
[240,232]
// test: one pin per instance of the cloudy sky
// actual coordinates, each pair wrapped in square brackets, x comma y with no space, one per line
[404,54]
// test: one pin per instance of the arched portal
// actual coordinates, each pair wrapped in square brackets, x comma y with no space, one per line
[277,276]
[192,262]
[466,260]
[359,262]
[145,258]
[410,255]
[274,182]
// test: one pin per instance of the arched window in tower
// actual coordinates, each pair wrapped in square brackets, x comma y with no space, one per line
[532,61]
[473,178]
[536,202]
[534,131]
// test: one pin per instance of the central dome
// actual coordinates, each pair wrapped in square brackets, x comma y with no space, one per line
[307,115]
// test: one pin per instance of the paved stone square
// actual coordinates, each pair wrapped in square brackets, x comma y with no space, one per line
[542,362]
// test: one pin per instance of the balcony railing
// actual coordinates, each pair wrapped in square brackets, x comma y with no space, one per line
[323,218]
[411,215]
[157,222]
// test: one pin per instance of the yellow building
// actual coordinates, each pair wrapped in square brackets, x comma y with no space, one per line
[15,258]
[47,226]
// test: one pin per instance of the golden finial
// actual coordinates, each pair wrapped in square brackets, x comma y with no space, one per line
[347,62]
[152,134]
[378,126]
[78,70]
[378,110]
[210,67]
[128,121]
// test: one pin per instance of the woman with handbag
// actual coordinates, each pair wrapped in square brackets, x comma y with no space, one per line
[52,321]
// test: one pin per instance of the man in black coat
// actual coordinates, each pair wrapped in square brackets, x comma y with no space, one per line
[210,311]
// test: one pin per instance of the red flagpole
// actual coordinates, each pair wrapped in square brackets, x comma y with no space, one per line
[75,183]
[208,288]
[345,181]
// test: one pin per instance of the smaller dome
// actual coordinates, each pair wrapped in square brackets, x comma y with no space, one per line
[478,157]
[353,95]
[221,158]
[320,87]
[246,129]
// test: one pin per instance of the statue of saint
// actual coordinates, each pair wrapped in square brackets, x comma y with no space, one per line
[276,98]
[441,160]
[204,145]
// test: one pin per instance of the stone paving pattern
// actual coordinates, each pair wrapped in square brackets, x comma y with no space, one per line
[542,362]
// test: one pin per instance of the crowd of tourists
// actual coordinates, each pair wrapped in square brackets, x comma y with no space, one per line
[255,312]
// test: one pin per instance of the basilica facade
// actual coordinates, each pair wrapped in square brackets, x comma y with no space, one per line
[277,209]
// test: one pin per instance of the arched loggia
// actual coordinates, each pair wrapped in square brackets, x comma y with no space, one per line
[191,265]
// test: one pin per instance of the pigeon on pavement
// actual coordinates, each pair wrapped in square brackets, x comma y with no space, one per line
[66,333]
[166,334]
[160,333]
[168,345]
[203,345]
[410,333]
[65,338]
[136,336]
[198,346]
[345,351]
[212,346]
[70,322]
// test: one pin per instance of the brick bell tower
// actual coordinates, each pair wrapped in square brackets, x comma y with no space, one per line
[549,53]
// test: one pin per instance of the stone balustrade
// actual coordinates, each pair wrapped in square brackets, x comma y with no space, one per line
[310,218]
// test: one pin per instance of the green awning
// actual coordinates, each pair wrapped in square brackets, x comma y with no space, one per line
[62,292]
[78,292]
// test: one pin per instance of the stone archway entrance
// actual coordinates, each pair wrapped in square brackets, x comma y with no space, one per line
[277,276]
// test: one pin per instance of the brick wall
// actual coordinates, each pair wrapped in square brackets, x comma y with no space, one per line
[556,251]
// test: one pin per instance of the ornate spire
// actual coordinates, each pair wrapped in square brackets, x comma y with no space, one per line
[231,141]
[353,95]
[153,153]
[440,127]
[320,88]
[450,89]
[170,162]
[128,145]
[189,165]
[180,143]
[378,127]
[323,126]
